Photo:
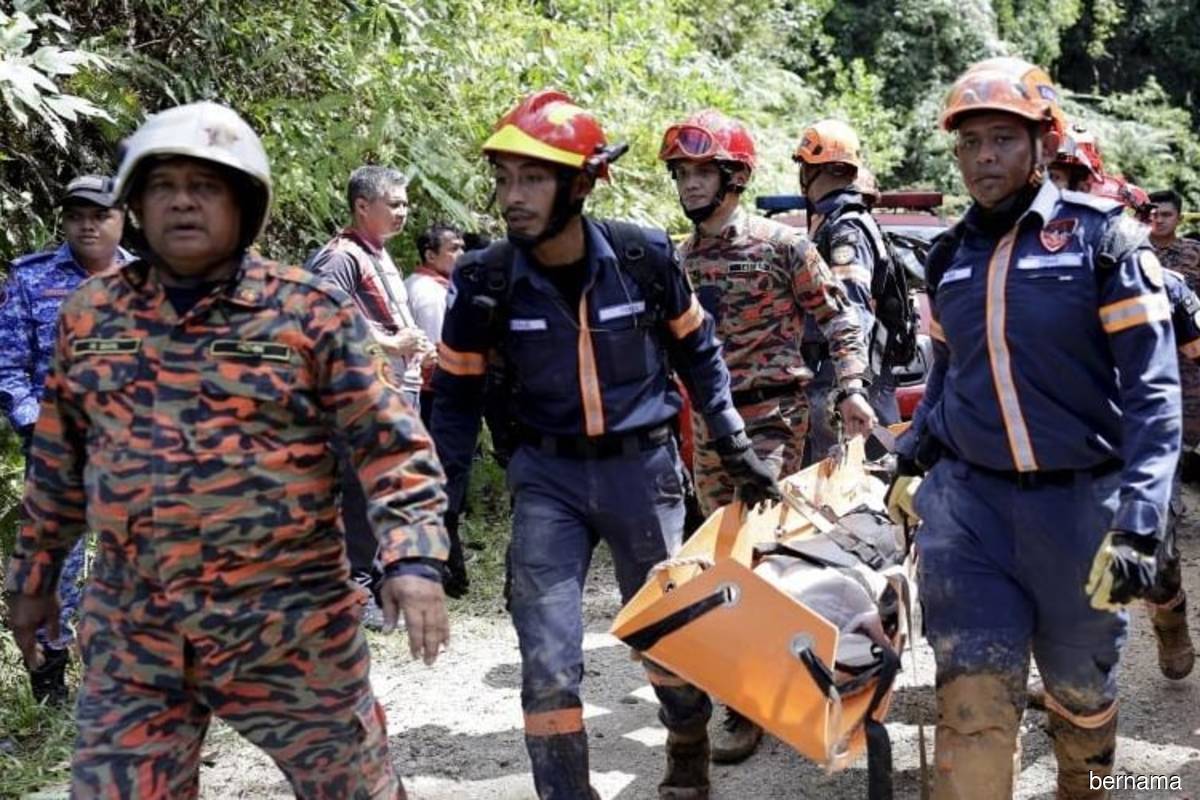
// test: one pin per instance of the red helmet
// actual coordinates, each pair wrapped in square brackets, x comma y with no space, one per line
[1079,149]
[548,126]
[1121,190]
[1004,84]
[709,136]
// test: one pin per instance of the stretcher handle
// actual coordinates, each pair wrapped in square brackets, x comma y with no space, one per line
[646,638]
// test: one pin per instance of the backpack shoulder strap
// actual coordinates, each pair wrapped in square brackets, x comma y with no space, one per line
[489,272]
[645,264]
[940,253]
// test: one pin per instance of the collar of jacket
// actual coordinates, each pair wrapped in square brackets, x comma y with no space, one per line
[247,287]
[599,252]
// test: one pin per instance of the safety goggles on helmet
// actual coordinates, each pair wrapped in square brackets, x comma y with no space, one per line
[689,141]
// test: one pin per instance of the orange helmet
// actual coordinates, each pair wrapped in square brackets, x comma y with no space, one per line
[1006,84]
[829,141]
[707,136]
[548,126]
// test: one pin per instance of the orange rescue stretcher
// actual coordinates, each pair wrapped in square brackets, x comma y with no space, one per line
[714,617]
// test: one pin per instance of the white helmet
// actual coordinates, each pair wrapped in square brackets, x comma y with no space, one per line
[206,131]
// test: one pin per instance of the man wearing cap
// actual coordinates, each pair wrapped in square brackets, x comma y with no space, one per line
[587,314]
[1050,431]
[189,408]
[37,285]
[762,282]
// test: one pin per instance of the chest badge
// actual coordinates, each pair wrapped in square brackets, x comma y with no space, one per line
[1057,234]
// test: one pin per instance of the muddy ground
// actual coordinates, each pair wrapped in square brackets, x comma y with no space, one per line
[455,729]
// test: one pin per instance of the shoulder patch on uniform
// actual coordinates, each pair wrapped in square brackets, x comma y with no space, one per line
[842,254]
[1122,236]
[1151,268]
[97,347]
[383,366]
[236,348]
[1057,234]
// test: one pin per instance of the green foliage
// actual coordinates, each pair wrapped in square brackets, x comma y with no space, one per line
[35,740]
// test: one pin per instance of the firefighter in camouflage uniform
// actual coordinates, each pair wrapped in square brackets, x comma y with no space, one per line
[186,421]
[760,280]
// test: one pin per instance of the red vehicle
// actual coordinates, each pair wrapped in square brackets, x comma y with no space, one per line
[912,221]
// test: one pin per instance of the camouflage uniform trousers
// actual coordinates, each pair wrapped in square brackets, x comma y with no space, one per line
[1189,380]
[777,427]
[312,711]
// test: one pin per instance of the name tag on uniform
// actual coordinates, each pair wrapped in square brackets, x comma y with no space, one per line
[58,292]
[233,348]
[624,310]
[955,275]
[99,347]
[527,325]
[1049,261]
[747,266]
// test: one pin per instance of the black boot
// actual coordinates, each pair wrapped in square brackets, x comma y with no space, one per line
[455,583]
[688,756]
[49,680]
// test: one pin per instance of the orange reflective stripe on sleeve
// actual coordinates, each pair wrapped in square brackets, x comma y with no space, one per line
[688,321]
[457,362]
[1116,317]
[554,723]
[589,379]
[1191,349]
[1000,358]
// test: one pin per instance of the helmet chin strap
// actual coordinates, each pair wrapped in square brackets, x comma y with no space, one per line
[698,215]
[562,212]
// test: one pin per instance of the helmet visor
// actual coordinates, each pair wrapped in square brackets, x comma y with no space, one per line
[687,141]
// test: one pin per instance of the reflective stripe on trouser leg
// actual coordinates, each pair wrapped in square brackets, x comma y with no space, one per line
[548,561]
[976,739]
[1084,746]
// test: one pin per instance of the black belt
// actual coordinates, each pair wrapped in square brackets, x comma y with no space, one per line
[748,397]
[1049,477]
[609,446]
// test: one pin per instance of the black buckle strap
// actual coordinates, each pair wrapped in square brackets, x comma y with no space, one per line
[591,447]
[748,397]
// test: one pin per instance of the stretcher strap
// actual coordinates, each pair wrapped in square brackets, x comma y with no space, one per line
[652,634]
[879,745]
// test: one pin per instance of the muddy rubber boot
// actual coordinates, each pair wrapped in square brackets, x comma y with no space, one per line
[1176,656]
[976,739]
[735,739]
[560,765]
[49,680]
[1084,755]
[687,765]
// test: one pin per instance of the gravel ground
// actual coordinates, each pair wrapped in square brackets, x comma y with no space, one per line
[455,728]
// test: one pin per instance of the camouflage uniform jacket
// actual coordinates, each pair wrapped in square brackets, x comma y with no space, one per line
[1182,256]
[759,280]
[198,450]
[37,285]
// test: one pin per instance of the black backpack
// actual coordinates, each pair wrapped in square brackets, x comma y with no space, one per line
[894,338]
[648,267]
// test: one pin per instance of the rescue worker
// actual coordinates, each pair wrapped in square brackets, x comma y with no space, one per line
[1179,254]
[1049,477]
[1167,603]
[588,342]
[37,285]
[186,419]
[761,282]
[833,178]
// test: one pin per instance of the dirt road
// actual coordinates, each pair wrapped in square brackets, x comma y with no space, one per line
[456,728]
